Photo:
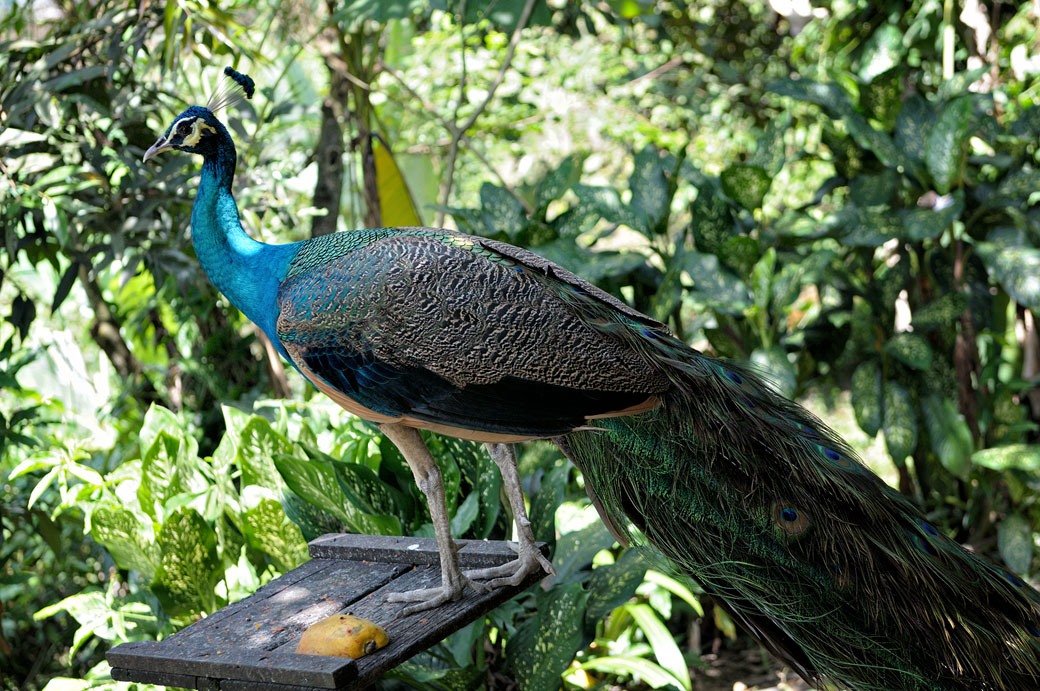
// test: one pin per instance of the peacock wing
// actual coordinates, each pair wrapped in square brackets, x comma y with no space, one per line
[434,327]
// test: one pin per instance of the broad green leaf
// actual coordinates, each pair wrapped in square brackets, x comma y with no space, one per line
[501,212]
[867,402]
[544,504]
[159,419]
[769,152]
[921,224]
[873,190]
[650,197]
[611,585]
[168,468]
[677,588]
[947,145]
[940,312]
[544,645]
[396,206]
[1015,542]
[1017,269]
[830,96]
[312,521]
[268,529]
[746,184]
[711,223]
[949,434]
[740,253]
[910,349]
[879,142]
[258,444]
[555,183]
[773,363]
[1011,456]
[465,514]
[653,675]
[881,52]
[661,642]
[900,422]
[714,284]
[913,125]
[575,550]
[189,567]
[859,227]
[130,543]
[882,97]
[371,494]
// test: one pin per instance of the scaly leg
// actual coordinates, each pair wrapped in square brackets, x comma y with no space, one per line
[428,478]
[529,558]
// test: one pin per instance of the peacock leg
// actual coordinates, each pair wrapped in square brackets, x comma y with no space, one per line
[529,559]
[428,478]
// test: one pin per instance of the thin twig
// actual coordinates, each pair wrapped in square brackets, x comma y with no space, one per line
[458,131]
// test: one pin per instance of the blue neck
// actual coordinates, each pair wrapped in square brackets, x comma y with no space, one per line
[246,271]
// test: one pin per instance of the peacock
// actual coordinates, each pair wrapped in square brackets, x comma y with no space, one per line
[694,457]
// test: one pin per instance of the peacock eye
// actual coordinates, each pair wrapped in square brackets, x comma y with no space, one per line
[184,129]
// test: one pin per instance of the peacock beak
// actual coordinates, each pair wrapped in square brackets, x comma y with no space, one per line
[160,145]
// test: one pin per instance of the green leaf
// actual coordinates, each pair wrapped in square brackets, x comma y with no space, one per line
[711,223]
[630,666]
[661,642]
[554,184]
[501,212]
[575,550]
[913,126]
[611,585]
[746,184]
[465,514]
[773,363]
[268,529]
[947,146]
[677,588]
[949,434]
[882,97]
[1017,269]
[544,645]
[878,142]
[910,349]
[873,190]
[159,419]
[544,504]
[650,197]
[940,312]
[860,227]
[317,482]
[900,422]
[740,253]
[1011,456]
[835,101]
[922,224]
[168,468]
[867,396]
[881,52]
[258,444]
[714,284]
[1015,542]
[121,533]
[189,567]
[769,153]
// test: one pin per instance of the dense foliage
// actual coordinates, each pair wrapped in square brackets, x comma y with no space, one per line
[845,195]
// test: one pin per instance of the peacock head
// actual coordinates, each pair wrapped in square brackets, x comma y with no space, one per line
[197,130]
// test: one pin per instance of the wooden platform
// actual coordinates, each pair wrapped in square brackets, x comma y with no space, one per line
[248,645]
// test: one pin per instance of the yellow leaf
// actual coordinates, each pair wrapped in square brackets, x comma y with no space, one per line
[396,205]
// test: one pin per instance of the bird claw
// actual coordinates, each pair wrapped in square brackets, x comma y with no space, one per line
[428,598]
[529,560]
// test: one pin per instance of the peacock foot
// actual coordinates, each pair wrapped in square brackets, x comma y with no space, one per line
[450,590]
[529,560]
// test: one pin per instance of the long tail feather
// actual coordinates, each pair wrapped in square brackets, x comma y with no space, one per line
[773,515]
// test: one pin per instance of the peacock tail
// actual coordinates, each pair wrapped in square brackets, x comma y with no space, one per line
[775,517]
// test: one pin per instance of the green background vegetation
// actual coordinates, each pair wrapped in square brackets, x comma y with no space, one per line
[842,194]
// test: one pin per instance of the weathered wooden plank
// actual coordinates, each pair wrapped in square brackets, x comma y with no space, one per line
[408,550]
[241,663]
[185,681]
[267,622]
